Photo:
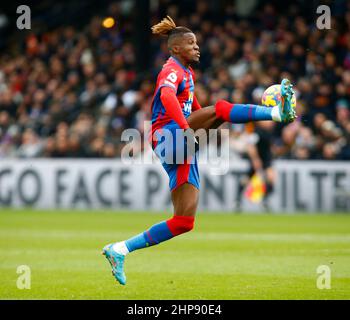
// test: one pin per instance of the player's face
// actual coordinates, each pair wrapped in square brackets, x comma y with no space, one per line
[189,48]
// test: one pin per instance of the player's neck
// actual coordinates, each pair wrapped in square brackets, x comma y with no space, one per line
[182,61]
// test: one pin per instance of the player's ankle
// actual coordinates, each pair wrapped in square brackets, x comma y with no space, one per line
[121,248]
[275,114]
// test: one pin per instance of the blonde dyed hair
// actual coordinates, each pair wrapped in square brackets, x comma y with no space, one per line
[167,27]
[164,27]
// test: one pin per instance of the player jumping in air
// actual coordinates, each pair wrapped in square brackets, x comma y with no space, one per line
[175,108]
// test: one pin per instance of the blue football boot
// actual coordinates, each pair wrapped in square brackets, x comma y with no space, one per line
[285,107]
[117,263]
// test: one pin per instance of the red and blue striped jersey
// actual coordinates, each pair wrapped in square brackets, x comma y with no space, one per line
[181,80]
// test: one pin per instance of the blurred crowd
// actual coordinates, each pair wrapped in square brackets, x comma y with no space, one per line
[71,92]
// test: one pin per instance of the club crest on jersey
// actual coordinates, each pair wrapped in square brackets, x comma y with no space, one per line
[172,77]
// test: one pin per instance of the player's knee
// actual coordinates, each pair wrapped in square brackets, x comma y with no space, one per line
[180,224]
[186,209]
[221,108]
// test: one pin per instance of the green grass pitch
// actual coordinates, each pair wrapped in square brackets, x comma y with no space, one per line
[227,256]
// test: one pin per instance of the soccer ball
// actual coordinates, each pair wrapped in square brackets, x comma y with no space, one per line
[272,95]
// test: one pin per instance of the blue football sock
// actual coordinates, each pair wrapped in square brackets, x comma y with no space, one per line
[157,233]
[241,113]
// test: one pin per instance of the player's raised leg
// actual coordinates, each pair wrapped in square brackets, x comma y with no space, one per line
[222,111]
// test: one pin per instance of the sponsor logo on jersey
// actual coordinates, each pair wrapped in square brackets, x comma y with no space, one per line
[188,106]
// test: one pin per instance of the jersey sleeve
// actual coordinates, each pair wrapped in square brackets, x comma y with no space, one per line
[172,107]
[170,77]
